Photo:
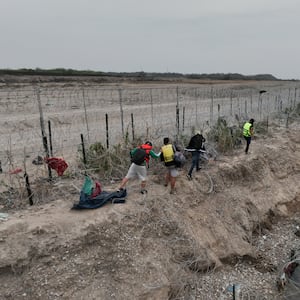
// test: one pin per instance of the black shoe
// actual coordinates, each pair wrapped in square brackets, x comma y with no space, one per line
[189,177]
[143,191]
[198,169]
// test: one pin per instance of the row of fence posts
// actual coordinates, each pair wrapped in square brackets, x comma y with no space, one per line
[49,148]
[45,146]
[211,114]
[107,136]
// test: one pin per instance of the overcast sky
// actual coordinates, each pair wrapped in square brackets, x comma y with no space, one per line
[183,36]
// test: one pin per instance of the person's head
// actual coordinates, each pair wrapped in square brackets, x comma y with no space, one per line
[166,141]
[251,121]
[148,143]
[197,132]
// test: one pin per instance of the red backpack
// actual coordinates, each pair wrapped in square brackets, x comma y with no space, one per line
[147,148]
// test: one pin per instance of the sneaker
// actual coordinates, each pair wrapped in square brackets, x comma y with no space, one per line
[173,192]
[189,177]
[143,191]
[166,184]
[198,169]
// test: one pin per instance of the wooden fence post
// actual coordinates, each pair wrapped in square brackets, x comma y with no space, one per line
[132,126]
[152,114]
[85,115]
[177,122]
[107,136]
[211,107]
[50,138]
[231,103]
[83,150]
[121,111]
[28,188]
[44,137]
[27,184]
[183,116]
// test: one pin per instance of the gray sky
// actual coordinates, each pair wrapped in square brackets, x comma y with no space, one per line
[187,36]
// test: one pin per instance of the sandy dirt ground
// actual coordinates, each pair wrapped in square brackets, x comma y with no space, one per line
[167,247]
[190,245]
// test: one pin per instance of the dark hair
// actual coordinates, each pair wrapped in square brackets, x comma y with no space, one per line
[251,121]
[148,143]
[166,140]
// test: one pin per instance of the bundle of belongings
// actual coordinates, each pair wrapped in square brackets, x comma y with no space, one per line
[57,164]
[92,196]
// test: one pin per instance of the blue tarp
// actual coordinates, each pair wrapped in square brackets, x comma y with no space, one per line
[86,201]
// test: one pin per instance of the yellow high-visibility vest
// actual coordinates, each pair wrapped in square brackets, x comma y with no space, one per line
[246,129]
[168,152]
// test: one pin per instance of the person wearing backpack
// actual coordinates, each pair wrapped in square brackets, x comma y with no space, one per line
[194,146]
[167,156]
[140,157]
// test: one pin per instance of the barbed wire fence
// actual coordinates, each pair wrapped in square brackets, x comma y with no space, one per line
[110,114]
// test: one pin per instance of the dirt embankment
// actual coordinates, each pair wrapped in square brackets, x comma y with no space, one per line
[151,251]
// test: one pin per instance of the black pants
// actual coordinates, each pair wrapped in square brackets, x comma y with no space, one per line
[248,140]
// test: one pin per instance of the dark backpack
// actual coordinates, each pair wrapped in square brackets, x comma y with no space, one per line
[179,159]
[139,156]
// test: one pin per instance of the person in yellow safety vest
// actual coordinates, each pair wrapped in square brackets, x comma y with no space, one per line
[248,132]
[167,156]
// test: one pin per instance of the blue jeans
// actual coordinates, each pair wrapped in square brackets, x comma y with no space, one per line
[195,161]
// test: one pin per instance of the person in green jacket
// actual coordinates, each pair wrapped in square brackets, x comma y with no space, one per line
[248,132]
[139,163]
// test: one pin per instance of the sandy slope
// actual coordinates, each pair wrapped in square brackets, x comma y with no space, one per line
[151,251]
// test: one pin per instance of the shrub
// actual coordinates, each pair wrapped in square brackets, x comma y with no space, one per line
[226,138]
[108,163]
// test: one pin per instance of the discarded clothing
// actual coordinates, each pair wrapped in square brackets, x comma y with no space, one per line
[57,164]
[90,187]
[86,201]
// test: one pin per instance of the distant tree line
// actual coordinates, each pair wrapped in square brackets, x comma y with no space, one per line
[135,75]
